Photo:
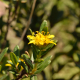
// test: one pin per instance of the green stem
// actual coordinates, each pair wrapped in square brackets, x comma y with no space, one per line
[35,67]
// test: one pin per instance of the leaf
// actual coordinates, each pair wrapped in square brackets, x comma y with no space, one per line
[35,51]
[25,55]
[45,29]
[0,67]
[16,51]
[3,53]
[46,49]
[24,66]
[9,62]
[43,64]
[28,61]
[13,58]
[45,60]
[13,71]
[38,60]
[44,24]
[78,60]
[42,68]
[31,31]
[4,76]
[33,77]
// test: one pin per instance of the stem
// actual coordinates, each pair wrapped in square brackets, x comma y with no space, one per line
[9,21]
[35,67]
[29,21]
[7,25]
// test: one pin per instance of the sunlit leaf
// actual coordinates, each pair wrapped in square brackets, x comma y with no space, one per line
[4,76]
[43,64]
[13,58]
[28,61]
[16,51]
[24,66]
[44,24]
[3,53]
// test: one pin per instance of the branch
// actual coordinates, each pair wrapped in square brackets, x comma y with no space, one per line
[23,72]
[5,38]
[29,21]
[15,12]
[9,22]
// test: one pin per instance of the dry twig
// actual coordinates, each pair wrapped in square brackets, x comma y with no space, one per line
[24,32]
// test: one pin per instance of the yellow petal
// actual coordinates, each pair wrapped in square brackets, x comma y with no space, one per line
[21,59]
[31,37]
[41,39]
[8,65]
[50,36]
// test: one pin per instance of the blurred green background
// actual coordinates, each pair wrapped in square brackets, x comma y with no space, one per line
[63,17]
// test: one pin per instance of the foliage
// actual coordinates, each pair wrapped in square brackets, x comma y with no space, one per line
[63,21]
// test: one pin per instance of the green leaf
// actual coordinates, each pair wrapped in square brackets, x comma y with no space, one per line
[46,49]
[44,24]
[45,29]
[43,64]
[9,62]
[16,51]
[35,51]
[13,58]
[24,66]
[3,53]
[0,67]
[31,31]
[33,77]
[25,55]
[38,60]
[13,71]
[4,76]
[28,61]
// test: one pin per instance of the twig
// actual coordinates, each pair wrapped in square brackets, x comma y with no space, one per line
[5,38]
[15,13]
[9,22]
[27,53]
[23,34]
[23,72]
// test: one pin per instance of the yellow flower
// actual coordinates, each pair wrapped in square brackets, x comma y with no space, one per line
[9,64]
[40,39]
[16,64]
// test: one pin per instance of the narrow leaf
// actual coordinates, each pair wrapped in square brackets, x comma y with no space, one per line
[0,67]
[24,66]
[46,49]
[16,51]
[9,62]
[35,51]
[45,29]
[28,61]
[43,64]
[44,24]
[13,71]
[4,76]
[43,67]
[33,77]
[13,58]
[3,53]
[25,55]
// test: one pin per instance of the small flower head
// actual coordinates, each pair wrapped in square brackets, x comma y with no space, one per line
[41,39]
[16,64]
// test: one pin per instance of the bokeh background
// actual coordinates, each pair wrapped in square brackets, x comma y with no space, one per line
[63,17]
